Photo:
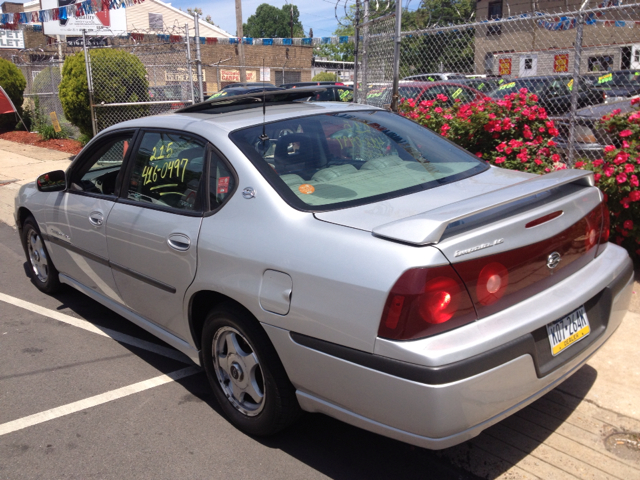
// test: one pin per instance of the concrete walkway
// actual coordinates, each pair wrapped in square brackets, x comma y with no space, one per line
[20,164]
[587,428]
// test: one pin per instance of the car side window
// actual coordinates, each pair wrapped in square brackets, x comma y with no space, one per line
[222,183]
[167,171]
[326,96]
[100,173]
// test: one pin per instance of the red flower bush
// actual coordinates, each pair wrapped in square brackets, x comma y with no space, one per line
[618,174]
[514,132]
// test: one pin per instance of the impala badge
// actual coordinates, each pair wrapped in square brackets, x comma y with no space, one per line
[497,241]
[553,260]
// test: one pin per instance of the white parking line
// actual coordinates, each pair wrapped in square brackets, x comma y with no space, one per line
[74,407]
[90,327]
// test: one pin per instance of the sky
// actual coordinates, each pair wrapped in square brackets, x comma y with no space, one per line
[316,14]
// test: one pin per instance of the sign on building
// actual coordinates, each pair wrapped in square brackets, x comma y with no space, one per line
[234,75]
[182,75]
[91,41]
[505,66]
[104,23]
[11,39]
[561,63]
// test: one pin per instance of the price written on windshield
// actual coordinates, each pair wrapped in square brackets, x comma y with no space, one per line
[170,169]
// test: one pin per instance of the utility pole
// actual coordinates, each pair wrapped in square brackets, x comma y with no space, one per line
[291,21]
[243,73]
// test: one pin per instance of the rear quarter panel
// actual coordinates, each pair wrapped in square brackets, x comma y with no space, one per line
[341,276]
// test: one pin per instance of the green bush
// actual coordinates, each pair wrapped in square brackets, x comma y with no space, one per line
[325,77]
[513,132]
[118,77]
[618,176]
[14,83]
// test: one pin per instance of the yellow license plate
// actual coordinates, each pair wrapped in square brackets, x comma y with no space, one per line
[568,330]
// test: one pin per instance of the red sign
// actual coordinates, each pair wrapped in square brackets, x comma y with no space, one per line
[234,76]
[505,66]
[223,185]
[561,63]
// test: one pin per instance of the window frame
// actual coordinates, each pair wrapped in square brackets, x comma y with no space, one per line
[201,200]
[210,210]
[88,154]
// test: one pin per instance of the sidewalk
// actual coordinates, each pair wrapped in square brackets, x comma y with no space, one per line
[583,429]
[20,164]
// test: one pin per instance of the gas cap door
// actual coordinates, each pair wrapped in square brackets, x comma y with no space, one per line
[275,292]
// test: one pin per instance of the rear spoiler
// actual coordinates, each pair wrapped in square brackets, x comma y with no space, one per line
[427,228]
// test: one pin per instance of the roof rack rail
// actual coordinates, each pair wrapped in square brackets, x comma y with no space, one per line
[251,99]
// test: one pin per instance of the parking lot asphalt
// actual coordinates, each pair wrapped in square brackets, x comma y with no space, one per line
[86,394]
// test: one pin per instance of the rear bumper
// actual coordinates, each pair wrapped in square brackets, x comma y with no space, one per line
[408,395]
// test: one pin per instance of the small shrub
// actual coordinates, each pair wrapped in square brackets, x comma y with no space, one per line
[119,76]
[84,139]
[513,133]
[13,82]
[27,118]
[618,176]
[325,77]
[47,132]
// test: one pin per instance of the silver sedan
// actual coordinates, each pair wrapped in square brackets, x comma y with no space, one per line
[334,258]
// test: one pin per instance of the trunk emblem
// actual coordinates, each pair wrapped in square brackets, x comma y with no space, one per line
[497,241]
[553,260]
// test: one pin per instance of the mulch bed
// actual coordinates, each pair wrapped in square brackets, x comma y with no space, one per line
[67,145]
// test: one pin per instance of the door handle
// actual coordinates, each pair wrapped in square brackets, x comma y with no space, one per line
[96,219]
[179,241]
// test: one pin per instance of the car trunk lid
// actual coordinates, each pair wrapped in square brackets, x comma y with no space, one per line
[514,241]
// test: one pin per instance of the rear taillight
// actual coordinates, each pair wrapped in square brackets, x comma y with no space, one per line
[425,301]
[606,229]
[492,283]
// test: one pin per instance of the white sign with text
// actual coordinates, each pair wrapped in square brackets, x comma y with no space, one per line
[104,23]
[11,39]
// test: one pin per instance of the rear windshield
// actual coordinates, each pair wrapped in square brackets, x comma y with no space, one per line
[331,161]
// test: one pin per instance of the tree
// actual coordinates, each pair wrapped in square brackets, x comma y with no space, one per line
[446,51]
[453,50]
[208,19]
[271,22]
[13,82]
[118,77]
[325,77]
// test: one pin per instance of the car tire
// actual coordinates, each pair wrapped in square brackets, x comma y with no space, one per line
[245,373]
[42,271]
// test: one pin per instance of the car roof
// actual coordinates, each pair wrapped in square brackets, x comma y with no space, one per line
[247,116]
[446,83]
[251,89]
[247,84]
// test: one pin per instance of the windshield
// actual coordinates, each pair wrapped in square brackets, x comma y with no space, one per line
[337,160]
[533,85]
[617,79]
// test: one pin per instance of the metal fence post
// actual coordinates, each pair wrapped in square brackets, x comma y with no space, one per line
[186,30]
[87,64]
[575,88]
[365,50]
[355,56]
[396,57]
[198,58]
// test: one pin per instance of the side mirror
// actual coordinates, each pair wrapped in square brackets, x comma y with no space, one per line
[52,182]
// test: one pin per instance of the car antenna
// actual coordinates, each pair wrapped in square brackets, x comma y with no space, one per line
[264,137]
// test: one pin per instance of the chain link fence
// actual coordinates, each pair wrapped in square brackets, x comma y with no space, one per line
[375,59]
[581,64]
[132,81]
[41,95]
